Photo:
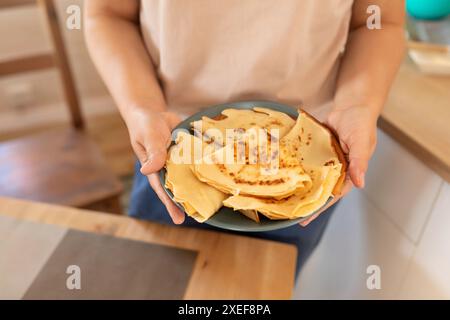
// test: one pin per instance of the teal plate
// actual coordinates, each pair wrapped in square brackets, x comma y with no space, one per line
[227,218]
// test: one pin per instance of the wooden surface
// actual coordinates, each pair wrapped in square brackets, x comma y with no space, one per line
[417,115]
[26,64]
[228,266]
[15,3]
[108,132]
[57,166]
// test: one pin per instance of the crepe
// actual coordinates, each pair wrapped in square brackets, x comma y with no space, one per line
[199,200]
[216,129]
[300,204]
[321,158]
[279,178]
[316,146]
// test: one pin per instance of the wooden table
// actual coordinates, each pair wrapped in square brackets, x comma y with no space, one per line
[417,115]
[227,266]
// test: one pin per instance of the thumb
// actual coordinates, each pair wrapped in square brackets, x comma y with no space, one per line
[156,148]
[359,155]
[155,152]
[156,158]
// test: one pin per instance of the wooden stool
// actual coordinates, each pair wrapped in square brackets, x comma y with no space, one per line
[59,166]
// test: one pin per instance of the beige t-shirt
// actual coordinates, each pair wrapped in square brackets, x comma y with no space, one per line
[209,52]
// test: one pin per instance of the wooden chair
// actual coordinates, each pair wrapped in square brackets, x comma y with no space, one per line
[59,166]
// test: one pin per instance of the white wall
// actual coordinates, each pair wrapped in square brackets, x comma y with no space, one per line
[400,222]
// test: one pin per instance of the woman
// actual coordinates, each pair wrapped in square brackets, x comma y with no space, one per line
[165,59]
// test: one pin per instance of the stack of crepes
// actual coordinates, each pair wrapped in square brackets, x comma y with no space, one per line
[297,177]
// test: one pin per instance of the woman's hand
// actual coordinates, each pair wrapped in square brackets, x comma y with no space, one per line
[357,131]
[116,46]
[150,134]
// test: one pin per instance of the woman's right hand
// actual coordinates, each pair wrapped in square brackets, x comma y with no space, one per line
[150,134]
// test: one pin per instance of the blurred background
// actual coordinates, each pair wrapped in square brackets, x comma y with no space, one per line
[62,141]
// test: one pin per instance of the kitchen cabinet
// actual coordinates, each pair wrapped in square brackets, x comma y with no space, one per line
[400,222]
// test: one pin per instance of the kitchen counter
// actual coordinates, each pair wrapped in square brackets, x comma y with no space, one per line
[417,115]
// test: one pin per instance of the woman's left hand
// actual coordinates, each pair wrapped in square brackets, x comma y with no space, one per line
[357,131]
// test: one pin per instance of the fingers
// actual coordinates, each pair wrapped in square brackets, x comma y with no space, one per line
[155,161]
[309,220]
[175,213]
[155,150]
[356,128]
[348,186]
[150,134]
[156,143]
[360,152]
[157,140]
[313,217]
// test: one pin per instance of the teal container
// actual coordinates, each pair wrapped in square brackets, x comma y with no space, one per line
[428,9]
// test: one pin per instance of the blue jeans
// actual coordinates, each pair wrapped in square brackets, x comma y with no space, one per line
[145,204]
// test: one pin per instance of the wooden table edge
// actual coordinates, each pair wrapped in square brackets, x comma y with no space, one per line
[118,226]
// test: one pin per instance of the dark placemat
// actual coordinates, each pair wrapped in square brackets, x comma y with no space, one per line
[113,268]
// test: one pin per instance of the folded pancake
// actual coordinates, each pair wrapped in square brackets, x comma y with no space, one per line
[316,146]
[276,179]
[301,204]
[236,119]
[321,158]
[199,200]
